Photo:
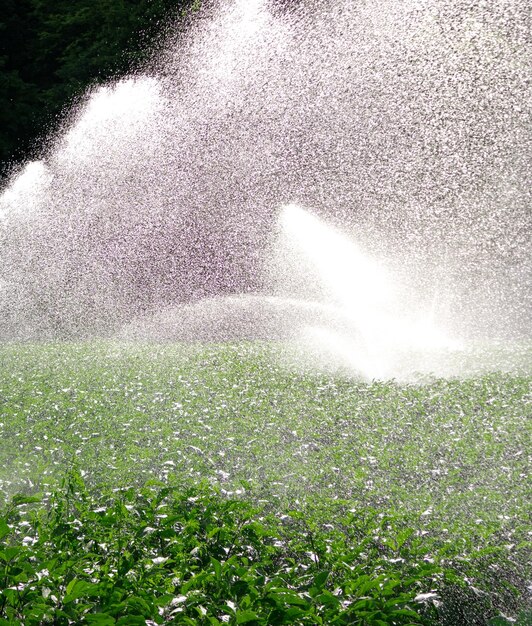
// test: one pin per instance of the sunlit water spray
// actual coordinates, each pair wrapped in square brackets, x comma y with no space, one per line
[403,129]
[400,132]
[332,306]
[380,330]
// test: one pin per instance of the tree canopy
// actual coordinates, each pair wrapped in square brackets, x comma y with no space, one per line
[51,52]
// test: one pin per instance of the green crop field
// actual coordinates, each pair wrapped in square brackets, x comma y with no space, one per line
[144,484]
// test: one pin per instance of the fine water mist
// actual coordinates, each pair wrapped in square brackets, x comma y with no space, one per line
[351,179]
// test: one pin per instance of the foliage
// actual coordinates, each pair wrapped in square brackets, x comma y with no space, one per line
[418,490]
[191,557]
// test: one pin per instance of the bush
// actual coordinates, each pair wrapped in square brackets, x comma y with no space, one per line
[163,555]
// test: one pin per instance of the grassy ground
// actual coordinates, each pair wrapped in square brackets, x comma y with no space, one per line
[445,464]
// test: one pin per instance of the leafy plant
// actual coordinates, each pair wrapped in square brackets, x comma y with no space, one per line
[188,557]
[287,497]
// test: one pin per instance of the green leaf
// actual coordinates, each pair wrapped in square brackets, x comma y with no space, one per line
[217,568]
[215,531]
[365,604]
[4,528]
[131,620]
[11,595]
[320,579]
[79,589]
[10,553]
[100,619]
[245,602]
[405,613]
[288,597]
[71,585]
[328,599]
[165,600]
[293,613]
[194,582]
[138,606]
[243,617]
[20,499]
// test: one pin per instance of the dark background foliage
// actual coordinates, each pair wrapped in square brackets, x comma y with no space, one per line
[50,52]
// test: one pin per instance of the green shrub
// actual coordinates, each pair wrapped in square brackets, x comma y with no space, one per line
[162,555]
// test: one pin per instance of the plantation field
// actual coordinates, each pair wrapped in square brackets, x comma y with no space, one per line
[425,485]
